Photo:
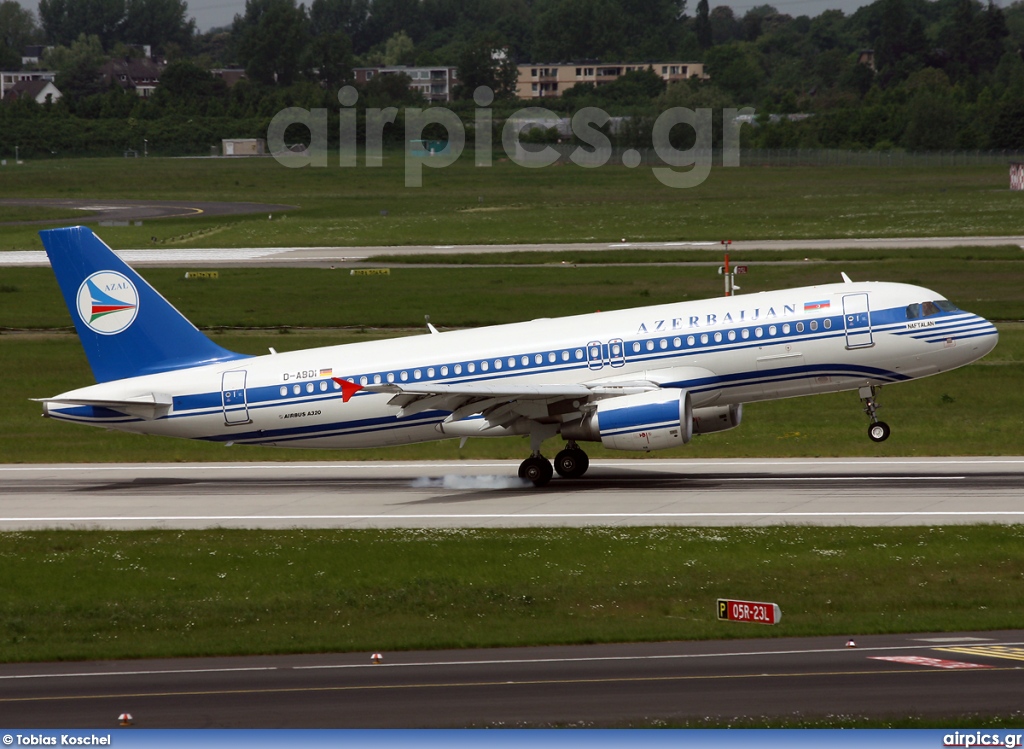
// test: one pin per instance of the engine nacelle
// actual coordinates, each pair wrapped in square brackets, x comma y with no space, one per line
[717,418]
[647,421]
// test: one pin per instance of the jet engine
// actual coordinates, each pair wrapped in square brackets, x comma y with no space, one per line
[717,418]
[651,420]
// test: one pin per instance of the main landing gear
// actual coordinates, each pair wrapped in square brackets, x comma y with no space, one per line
[570,463]
[878,431]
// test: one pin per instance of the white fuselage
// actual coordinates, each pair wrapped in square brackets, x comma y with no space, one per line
[723,351]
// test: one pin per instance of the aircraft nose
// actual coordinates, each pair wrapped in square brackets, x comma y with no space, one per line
[987,339]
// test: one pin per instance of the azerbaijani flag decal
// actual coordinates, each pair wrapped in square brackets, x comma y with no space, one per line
[108,302]
[811,306]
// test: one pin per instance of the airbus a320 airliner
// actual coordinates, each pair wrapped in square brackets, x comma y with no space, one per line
[636,379]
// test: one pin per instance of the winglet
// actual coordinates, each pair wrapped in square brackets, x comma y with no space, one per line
[846,278]
[348,388]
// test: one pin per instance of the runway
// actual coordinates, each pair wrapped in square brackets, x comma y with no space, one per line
[327,256]
[643,684]
[480,494]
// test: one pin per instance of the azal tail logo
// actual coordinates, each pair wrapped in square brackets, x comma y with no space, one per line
[108,302]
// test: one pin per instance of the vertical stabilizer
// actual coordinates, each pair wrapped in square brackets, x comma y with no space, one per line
[126,328]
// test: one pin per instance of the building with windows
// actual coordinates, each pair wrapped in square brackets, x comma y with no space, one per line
[539,80]
[139,75]
[435,83]
[9,78]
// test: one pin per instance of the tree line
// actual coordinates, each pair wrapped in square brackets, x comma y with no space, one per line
[914,74]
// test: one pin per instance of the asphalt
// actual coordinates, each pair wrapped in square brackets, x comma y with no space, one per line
[371,494]
[645,684]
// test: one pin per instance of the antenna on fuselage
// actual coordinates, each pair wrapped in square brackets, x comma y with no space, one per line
[846,278]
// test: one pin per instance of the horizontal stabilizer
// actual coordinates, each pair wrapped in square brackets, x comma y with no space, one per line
[149,407]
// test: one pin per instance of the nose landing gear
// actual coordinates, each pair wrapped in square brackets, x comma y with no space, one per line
[878,431]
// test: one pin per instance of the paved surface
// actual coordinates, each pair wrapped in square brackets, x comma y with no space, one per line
[597,685]
[328,256]
[135,210]
[930,491]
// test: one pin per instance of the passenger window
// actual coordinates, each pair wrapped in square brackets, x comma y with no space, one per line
[636,347]
[732,335]
[526,361]
[676,343]
[284,390]
[391,376]
[296,390]
[690,340]
[417,374]
[363,380]
[758,332]
[772,330]
[444,371]
[579,352]
[565,356]
[785,329]
[483,366]
[827,324]
[497,363]
[745,333]
[718,337]
[538,359]
[663,344]
[814,325]
[650,345]
[458,369]
[376,379]
[471,367]
[430,372]
[323,387]
[704,338]
[404,376]
[799,327]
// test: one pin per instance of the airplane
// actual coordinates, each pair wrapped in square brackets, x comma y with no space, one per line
[638,379]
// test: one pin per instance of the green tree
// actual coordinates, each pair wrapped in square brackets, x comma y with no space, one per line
[399,49]
[17,28]
[65,20]
[349,17]
[724,26]
[272,37]
[329,59]
[702,25]
[78,66]
[158,23]
[481,63]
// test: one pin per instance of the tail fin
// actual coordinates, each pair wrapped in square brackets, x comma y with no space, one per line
[126,327]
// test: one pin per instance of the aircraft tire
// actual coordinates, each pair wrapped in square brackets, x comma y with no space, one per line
[571,463]
[536,469]
[879,431]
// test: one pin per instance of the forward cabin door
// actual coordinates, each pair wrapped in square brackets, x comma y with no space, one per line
[857,318]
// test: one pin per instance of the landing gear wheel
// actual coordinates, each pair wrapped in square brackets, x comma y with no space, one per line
[571,463]
[536,469]
[879,431]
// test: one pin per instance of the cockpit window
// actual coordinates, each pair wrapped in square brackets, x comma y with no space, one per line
[927,309]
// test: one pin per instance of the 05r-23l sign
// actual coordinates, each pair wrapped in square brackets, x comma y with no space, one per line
[748,611]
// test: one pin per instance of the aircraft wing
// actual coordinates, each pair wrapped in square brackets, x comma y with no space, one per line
[501,402]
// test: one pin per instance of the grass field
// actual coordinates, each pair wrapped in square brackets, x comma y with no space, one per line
[507,203]
[190,593]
